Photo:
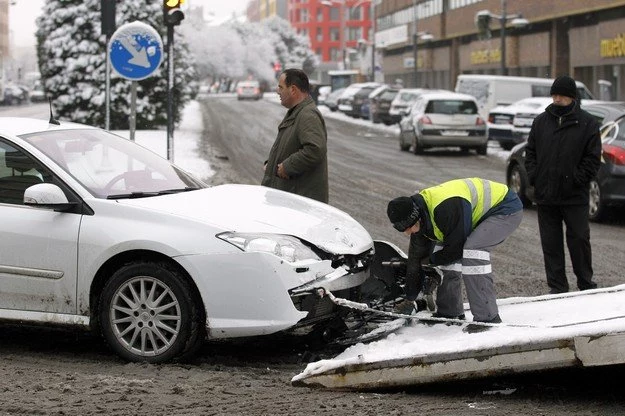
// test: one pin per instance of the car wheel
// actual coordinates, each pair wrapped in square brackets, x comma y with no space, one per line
[148,313]
[518,183]
[482,150]
[417,148]
[596,209]
[506,146]
[402,145]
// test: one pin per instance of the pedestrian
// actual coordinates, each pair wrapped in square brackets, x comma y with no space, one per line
[298,160]
[453,227]
[562,156]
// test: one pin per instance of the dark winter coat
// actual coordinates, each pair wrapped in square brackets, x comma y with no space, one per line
[562,156]
[301,146]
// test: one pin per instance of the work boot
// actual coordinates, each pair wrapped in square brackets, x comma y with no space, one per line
[476,327]
[405,307]
[460,317]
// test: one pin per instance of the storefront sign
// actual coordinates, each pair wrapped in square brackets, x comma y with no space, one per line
[485,56]
[613,48]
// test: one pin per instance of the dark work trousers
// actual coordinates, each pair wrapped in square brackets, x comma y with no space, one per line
[476,270]
[575,218]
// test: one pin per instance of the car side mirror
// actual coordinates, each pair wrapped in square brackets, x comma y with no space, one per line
[47,195]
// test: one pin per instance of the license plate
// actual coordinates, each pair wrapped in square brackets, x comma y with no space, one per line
[454,133]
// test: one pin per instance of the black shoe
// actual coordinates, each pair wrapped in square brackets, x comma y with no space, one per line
[405,307]
[460,317]
[477,326]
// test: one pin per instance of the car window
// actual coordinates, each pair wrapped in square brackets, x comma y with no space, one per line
[451,107]
[107,164]
[18,171]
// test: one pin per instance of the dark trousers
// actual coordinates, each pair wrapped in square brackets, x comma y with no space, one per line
[575,218]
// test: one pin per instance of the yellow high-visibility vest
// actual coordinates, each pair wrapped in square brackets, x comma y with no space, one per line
[481,193]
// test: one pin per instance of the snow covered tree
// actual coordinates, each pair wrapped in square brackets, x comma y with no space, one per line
[239,50]
[293,50]
[72,60]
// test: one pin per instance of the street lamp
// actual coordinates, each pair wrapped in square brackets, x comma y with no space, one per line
[343,8]
[482,19]
[426,36]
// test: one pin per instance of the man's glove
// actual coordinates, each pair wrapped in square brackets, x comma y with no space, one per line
[433,277]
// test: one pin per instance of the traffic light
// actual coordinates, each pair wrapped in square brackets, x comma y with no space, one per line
[482,22]
[172,13]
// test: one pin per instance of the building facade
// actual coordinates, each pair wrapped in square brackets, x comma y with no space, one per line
[582,38]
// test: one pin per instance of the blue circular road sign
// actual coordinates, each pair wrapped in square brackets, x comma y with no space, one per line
[136,50]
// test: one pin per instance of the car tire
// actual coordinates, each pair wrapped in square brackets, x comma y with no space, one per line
[402,145]
[417,148]
[506,146]
[148,313]
[596,209]
[518,183]
[482,150]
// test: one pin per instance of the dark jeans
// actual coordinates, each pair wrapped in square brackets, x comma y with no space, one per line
[575,218]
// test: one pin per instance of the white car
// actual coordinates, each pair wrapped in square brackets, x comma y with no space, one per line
[501,119]
[443,119]
[102,233]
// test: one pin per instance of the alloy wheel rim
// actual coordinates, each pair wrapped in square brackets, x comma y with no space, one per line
[145,316]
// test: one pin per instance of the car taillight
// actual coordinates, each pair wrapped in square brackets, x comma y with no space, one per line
[491,118]
[425,120]
[239,90]
[614,154]
[479,121]
[256,90]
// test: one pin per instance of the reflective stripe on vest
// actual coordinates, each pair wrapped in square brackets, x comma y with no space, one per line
[482,194]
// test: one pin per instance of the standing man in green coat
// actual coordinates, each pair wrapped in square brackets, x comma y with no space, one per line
[298,160]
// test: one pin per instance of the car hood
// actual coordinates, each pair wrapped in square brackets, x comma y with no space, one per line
[258,209]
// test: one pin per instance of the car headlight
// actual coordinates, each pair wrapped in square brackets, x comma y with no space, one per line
[286,247]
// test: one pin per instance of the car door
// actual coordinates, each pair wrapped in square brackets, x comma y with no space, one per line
[38,247]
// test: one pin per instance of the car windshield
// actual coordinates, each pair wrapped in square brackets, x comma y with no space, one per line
[111,166]
[451,107]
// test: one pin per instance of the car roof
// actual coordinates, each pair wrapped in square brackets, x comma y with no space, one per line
[17,126]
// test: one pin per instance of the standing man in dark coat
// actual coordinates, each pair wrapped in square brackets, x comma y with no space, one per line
[298,160]
[563,155]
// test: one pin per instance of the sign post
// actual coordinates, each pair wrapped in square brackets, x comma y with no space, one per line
[136,51]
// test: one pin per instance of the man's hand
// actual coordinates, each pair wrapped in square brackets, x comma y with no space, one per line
[281,172]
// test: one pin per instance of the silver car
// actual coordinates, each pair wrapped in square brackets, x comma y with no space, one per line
[249,90]
[443,120]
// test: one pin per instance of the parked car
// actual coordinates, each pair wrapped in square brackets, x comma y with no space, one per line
[101,233]
[349,98]
[249,90]
[493,90]
[360,97]
[15,94]
[37,94]
[324,91]
[608,188]
[522,122]
[442,120]
[501,119]
[404,99]
[332,100]
[365,106]
[380,106]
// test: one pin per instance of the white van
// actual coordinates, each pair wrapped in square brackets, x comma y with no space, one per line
[494,90]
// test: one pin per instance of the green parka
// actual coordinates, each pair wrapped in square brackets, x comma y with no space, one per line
[301,146]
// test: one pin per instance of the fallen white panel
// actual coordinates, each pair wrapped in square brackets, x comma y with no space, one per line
[544,332]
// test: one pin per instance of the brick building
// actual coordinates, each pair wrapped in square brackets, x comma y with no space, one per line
[583,38]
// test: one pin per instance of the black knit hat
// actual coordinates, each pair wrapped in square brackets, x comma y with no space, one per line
[403,213]
[564,85]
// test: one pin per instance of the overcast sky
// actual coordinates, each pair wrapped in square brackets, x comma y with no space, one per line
[23,14]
